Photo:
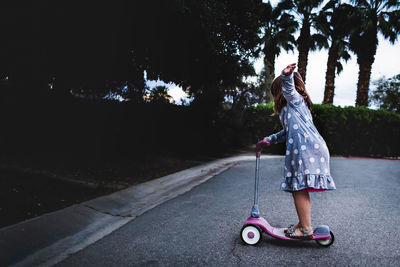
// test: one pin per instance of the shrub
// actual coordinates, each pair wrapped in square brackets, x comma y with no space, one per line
[80,130]
[356,131]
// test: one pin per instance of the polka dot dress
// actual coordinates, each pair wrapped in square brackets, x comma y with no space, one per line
[307,156]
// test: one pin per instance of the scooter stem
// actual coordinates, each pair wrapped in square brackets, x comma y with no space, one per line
[255,213]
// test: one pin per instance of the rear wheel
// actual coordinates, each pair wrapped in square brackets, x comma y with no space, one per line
[251,234]
[326,242]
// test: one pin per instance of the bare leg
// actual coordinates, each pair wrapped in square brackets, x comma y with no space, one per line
[302,202]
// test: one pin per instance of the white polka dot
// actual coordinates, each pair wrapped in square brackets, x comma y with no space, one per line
[287,129]
[290,141]
[300,162]
[295,173]
[288,115]
[316,146]
[292,162]
[312,159]
[322,159]
[326,170]
[283,185]
[287,152]
[303,147]
[318,170]
[296,151]
[307,171]
[295,126]
[289,174]
[285,108]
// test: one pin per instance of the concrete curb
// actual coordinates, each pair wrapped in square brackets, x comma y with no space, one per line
[50,238]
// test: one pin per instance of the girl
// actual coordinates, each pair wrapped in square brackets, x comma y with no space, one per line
[307,156]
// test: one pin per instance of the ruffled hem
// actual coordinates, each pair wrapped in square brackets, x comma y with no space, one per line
[314,181]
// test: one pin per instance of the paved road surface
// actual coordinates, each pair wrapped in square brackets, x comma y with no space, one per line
[202,227]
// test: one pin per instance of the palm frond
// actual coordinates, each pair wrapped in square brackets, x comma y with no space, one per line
[389,25]
[318,41]
[330,5]
[361,3]
[339,67]
[390,4]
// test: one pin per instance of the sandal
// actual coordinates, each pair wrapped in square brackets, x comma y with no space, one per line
[305,235]
[291,228]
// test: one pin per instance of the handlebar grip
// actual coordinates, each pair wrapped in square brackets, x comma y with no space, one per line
[260,145]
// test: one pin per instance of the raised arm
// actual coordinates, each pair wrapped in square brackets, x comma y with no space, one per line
[288,88]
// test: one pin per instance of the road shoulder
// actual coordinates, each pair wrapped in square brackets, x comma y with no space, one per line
[50,238]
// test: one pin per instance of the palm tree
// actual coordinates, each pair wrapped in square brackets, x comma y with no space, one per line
[373,16]
[335,24]
[279,28]
[305,11]
[159,94]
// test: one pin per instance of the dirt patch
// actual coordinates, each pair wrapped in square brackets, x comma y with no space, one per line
[30,188]
[24,196]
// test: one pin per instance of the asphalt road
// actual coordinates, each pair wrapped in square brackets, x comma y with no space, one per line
[202,227]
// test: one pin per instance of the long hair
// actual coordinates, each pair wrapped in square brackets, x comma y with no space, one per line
[279,99]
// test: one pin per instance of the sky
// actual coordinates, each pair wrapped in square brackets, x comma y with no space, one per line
[386,64]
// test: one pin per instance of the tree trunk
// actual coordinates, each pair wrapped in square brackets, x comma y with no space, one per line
[269,67]
[271,71]
[364,77]
[302,63]
[304,47]
[269,62]
[330,76]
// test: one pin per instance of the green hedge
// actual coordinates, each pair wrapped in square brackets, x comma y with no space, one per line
[355,131]
[79,130]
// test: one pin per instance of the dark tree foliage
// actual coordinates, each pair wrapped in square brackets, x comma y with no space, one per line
[159,95]
[204,46]
[387,94]
[74,44]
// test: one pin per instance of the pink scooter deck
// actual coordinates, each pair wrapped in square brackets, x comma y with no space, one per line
[279,232]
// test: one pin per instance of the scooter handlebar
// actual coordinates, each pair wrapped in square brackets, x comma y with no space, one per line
[260,145]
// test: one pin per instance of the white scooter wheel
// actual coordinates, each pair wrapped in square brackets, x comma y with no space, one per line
[326,242]
[251,234]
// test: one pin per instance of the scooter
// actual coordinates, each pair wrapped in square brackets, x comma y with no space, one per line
[255,225]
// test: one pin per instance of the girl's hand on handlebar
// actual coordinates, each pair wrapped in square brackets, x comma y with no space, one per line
[266,140]
[260,146]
